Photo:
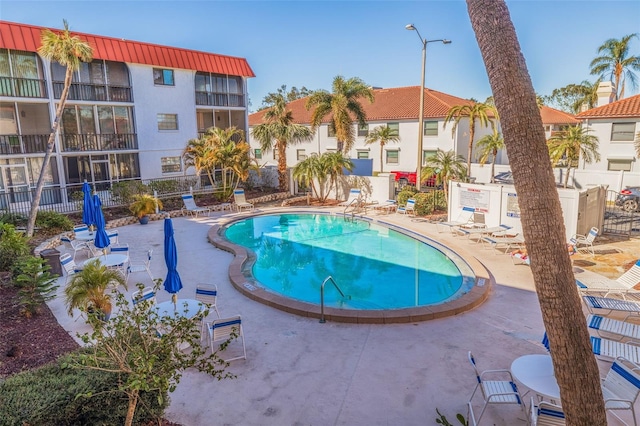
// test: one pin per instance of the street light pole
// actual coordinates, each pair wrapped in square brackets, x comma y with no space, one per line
[424,42]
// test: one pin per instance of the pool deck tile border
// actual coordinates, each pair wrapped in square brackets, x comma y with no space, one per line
[473,298]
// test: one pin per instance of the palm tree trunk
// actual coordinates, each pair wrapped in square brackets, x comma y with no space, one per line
[283,181]
[472,129]
[493,165]
[381,157]
[575,367]
[35,203]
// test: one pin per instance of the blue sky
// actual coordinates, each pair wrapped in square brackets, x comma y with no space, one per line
[307,43]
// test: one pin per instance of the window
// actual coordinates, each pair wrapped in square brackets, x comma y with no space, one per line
[395,127]
[363,155]
[622,131]
[363,130]
[163,77]
[331,131]
[301,155]
[171,164]
[619,164]
[426,154]
[431,128]
[392,156]
[167,121]
[257,153]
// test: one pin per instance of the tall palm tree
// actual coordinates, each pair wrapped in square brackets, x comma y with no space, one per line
[541,213]
[335,163]
[445,166]
[569,145]
[278,126]
[489,146]
[68,51]
[383,135]
[616,63]
[478,112]
[343,104]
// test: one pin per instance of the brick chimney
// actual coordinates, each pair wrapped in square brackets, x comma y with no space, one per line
[606,93]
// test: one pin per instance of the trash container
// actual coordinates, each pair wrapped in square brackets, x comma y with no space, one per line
[52,256]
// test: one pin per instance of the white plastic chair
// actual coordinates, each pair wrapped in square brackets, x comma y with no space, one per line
[493,391]
[409,208]
[190,206]
[144,266]
[222,329]
[621,387]
[240,201]
[69,265]
[145,295]
[585,240]
[207,294]
[75,246]
[113,237]
[546,414]
[124,250]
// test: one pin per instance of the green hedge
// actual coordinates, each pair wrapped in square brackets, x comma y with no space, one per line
[48,396]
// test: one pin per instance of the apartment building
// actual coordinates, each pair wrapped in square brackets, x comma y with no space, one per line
[129,114]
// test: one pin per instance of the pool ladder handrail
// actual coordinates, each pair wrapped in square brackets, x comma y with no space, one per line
[329,278]
[358,205]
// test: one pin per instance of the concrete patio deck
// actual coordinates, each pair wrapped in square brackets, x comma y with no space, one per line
[301,372]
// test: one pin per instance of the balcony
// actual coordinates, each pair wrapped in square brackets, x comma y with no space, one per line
[94,92]
[23,144]
[23,87]
[219,99]
[102,142]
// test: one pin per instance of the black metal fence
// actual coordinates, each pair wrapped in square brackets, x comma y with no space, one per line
[618,222]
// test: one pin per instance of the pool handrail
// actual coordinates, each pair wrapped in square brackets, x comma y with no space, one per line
[329,278]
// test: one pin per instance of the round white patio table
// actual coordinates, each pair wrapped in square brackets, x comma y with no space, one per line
[187,308]
[109,260]
[535,372]
[85,235]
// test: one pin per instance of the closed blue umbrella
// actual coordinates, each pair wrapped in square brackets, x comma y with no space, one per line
[87,205]
[102,239]
[172,283]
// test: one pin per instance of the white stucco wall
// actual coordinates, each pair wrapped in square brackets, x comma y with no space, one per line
[608,149]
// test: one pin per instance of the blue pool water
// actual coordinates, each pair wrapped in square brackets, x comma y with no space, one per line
[376,267]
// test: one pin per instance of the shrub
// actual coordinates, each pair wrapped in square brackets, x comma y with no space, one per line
[36,285]
[13,245]
[124,192]
[428,202]
[165,186]
[406,193]
[14,219]
[53,221]
[56,395]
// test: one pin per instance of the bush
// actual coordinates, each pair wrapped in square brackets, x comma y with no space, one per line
[406,193]
[13,245]
[49,220]
[124,192]
[35,283]
[14,219]
[56,395]
[428,202]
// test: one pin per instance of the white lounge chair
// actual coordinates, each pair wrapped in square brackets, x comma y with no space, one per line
[621,387]
[585,240]
[223,329]
[506,243]
[479,233]
[354,196]
[190,206]
[465,217]
[240,201]
[612,349]
[609,304]
[546,414]
[614,329]
[409,208]
[493,391]
[623,286]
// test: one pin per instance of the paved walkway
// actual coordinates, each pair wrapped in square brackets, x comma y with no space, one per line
[301,372]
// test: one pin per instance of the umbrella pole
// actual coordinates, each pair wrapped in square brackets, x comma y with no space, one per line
[174,299]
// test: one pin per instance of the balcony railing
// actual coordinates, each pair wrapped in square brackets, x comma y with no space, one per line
[23,87]
[219,99]
[23,144]
[94,92]
[102,142]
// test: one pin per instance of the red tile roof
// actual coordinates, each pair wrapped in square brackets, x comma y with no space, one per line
[27,37]
[399,103]
[555,116]
[625,108]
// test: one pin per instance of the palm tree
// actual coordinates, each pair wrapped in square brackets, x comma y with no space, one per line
[230,155]
[571,144]
[383,135]
[541,213]
[342,104]
[279,127]
[489,145]
[68,51]
[334,163]
[309,171]
[636,143]
[445,166]
[476,112]
[616,63]
[199,154]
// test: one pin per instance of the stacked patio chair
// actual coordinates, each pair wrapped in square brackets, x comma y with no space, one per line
[621,387]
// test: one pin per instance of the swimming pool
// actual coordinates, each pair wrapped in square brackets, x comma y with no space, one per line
[375,266]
